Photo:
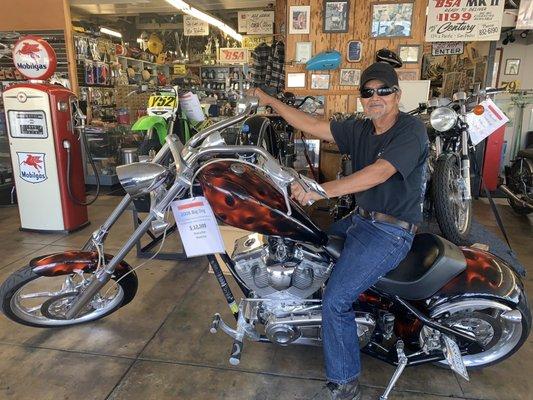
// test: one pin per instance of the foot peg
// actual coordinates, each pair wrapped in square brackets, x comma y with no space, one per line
[236,349]
[402,362]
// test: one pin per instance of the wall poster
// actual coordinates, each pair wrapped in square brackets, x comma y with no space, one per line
[194,26]
[464,20]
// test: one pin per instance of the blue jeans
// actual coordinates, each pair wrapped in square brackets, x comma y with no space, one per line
[371,249]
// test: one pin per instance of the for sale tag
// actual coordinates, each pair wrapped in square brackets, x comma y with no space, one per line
[484,125]
[198,227]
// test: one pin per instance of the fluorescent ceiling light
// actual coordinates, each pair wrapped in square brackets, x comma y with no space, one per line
[110,32]
[194,12]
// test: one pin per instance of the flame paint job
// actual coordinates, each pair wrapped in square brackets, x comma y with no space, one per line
[248,200]
[68,261]
[485,276]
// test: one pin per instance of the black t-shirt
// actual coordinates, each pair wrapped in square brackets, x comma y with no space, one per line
[405,146]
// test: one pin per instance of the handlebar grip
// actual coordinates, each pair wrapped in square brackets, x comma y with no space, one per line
[495,90]
[236,351]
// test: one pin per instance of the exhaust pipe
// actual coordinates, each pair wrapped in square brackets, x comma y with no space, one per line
[521,202]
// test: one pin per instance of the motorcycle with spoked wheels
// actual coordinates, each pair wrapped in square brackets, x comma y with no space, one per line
[461,307]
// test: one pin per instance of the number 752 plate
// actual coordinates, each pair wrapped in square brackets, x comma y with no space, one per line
[162,101]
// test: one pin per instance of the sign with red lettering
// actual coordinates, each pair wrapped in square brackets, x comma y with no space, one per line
[34,58]
[233,55]
[464,20]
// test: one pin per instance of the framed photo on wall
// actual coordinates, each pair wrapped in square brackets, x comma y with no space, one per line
[512,66]
[296,80]
[304,52]
[320,81]
[336,16]
[409,53]
[391,19]
[407,74]
[355,49]
[299,17]
[349,77]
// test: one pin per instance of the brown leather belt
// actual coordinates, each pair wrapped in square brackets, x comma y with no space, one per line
[389,219]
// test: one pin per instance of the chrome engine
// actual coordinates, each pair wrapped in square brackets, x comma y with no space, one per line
[274,268]
[283,275]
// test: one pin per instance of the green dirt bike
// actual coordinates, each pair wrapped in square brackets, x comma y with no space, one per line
[164,116]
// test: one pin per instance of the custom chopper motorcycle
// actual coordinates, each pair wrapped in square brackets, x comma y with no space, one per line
[461,307]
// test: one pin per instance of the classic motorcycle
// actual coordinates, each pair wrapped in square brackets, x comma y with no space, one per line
[519,182]
[461,307]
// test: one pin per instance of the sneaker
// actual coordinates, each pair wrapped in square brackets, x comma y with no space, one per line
[348,391]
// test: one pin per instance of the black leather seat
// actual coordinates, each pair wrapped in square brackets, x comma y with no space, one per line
[526,153]
[429,265]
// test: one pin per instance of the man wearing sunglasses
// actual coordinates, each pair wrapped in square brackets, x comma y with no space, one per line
[388,150]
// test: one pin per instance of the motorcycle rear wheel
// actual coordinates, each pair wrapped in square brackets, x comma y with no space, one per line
[495,325]
[40,301]
[453,212]
[518,209]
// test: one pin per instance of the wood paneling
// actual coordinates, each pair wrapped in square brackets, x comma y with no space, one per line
[343,98]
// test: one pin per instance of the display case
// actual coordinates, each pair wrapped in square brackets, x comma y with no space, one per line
[220,79]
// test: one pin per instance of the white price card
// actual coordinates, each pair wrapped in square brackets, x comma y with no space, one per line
[484,125]
[197,226]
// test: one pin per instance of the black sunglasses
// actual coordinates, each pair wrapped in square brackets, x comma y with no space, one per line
[367,93]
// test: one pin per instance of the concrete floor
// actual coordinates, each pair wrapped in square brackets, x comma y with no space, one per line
[159,346]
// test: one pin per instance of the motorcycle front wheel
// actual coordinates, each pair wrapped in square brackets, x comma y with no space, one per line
[42,301]
[452,210]
[500,329]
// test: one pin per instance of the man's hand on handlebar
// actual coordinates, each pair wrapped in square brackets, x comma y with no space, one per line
[303,197]
[264,99]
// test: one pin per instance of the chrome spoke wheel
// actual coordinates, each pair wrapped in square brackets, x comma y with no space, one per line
[46,300]
[497,327]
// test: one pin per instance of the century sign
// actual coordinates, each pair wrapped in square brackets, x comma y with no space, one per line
[34,58]
[464,20]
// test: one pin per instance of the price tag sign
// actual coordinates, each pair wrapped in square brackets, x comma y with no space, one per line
[179,69]
[198,227]
[233,55]
[484,125]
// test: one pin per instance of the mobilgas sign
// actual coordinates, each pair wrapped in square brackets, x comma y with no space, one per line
[32,167]
[34,58]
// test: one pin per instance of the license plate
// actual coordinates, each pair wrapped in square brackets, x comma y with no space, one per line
[454,357]
[162,101]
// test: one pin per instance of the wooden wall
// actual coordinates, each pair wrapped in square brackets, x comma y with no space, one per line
[343,98]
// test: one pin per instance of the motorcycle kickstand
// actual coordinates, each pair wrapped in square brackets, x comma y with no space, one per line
[402,362]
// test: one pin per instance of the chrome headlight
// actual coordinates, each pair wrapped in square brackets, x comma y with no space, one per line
[443,119]
[141,178]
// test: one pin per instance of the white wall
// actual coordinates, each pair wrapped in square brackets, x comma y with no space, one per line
[524,52]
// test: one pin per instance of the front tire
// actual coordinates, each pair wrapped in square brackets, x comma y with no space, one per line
[498,327]
[452,210]
[22,292]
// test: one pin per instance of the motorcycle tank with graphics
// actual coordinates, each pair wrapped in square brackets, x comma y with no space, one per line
[241,195]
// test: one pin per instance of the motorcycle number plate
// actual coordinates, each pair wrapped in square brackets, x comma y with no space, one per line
[454,357]
[162,101]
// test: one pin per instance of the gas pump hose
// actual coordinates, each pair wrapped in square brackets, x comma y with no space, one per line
[66,145]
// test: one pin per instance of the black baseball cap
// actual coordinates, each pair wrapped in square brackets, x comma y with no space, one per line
[381,71]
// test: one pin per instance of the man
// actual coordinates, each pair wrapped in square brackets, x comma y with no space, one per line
[388,151]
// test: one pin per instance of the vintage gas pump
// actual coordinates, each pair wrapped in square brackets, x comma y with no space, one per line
[40,125]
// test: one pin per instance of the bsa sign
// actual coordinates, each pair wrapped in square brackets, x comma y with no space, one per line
[464,20]
[34,58]
[32,167]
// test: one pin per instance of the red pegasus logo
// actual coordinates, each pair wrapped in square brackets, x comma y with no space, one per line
[33,161]
[29,49]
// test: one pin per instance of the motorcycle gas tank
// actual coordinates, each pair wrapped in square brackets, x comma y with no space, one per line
[242,196]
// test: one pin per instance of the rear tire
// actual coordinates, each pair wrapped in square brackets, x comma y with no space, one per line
[453,213]
[501,335]
[16,282]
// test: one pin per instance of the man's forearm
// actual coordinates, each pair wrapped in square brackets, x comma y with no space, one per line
[301,120]
[360,181]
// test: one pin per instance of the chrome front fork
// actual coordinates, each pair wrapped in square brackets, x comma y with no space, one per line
[465,166]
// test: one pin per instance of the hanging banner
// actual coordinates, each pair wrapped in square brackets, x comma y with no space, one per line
[194,27]
[260,22]
[233,55]
[525,15]
[256,22]
[447,48]
[464,20]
